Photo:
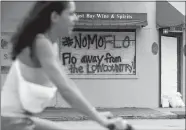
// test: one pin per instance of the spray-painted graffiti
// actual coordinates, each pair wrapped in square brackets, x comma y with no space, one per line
[101,41]
[96,63]
[100,68]
[108,58]
[97,53]
[118,68]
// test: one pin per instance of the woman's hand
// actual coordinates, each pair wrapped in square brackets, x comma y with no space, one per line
[118,124]
[114,123]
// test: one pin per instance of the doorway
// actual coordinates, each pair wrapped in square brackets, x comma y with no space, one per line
[171,66]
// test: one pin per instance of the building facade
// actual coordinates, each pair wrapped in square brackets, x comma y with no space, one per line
[114,54]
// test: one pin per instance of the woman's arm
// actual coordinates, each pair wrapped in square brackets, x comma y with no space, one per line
[68,90]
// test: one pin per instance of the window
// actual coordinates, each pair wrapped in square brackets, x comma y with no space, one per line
[99,54]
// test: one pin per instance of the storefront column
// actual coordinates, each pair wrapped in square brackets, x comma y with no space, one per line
[153,38]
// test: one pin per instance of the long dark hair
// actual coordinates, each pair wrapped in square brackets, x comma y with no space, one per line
[37,21]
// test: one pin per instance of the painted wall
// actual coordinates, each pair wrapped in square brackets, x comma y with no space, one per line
[142,91]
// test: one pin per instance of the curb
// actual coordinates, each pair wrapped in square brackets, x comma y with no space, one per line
[72,115]
[84,118]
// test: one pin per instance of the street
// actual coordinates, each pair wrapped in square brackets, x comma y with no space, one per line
[178,124]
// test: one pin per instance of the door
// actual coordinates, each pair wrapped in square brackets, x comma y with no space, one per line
[169,65]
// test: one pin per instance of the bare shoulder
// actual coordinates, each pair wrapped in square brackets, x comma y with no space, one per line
[43,47]
[42,41]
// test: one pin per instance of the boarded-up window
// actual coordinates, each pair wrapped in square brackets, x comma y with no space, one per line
[99,54]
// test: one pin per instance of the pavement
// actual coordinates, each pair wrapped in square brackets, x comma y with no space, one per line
[178,112]
[70,114]
[144,124]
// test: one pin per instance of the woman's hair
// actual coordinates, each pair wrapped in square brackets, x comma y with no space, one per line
[37,21]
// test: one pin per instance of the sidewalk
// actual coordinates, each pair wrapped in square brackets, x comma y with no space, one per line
[70,114]
[179,112]
[143,124]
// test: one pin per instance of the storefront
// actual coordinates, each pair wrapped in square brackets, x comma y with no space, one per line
[103,45]
[112,56]
[109,56]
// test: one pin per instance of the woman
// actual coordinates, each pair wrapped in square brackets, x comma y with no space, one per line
[36,72]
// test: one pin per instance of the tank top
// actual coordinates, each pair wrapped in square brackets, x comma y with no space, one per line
[10,97]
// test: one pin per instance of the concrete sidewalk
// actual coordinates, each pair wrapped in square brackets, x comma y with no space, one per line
[70,114]
[143,124]
[179,112]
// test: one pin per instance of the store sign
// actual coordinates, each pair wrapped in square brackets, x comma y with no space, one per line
[110,16]
[172,30]
[99,53]
[176,29]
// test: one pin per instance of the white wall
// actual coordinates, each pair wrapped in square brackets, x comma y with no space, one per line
[12,13]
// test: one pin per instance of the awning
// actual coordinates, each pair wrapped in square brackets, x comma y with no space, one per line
[168,16]
[108,15]
[111,20]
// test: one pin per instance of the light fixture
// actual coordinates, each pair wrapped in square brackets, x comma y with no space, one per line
[165,31]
